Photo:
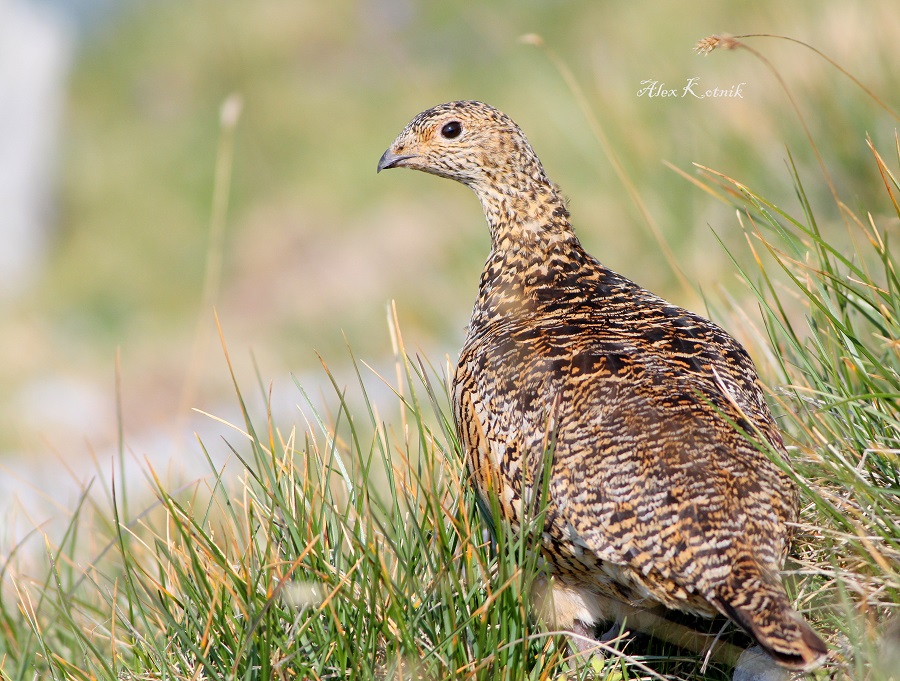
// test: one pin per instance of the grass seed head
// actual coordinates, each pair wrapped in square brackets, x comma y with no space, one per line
[715,42]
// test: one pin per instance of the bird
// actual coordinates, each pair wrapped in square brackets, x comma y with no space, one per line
[660,492]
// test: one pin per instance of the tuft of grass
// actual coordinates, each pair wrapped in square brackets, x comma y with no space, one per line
[349,549]
[832,317]
[831,312]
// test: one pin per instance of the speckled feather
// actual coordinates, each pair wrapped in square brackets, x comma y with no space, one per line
[656,495]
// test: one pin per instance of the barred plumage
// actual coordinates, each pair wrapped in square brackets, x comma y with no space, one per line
[656,496]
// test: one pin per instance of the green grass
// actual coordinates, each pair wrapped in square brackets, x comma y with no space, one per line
[832,325]
[350,544]
[349,548]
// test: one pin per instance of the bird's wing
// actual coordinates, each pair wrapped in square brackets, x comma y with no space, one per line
[651,473]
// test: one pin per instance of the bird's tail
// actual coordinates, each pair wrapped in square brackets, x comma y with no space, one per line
[754,597]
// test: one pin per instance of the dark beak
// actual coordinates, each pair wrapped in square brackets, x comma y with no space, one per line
[390,160]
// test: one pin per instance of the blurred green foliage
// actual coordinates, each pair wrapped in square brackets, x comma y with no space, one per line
[316,244]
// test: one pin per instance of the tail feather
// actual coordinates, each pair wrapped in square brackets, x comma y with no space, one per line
[754,598]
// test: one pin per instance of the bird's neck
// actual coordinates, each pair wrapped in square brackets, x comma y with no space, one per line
[533,247]
[526,216]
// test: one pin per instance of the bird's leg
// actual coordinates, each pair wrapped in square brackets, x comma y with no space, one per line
[584,640]
[749,665]
[587,644]
[755,665]
[614,632]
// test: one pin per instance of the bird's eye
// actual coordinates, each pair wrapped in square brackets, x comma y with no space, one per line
[451,130]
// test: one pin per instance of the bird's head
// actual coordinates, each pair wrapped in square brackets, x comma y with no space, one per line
[476,144]
[466,141]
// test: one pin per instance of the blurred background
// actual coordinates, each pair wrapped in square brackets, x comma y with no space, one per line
[109,138]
